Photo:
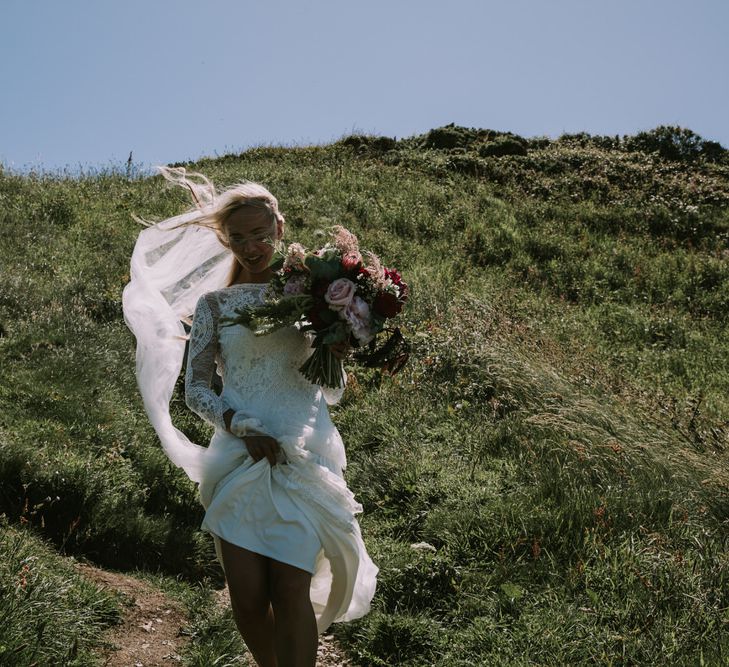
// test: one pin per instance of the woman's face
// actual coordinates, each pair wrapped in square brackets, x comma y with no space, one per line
[250,233]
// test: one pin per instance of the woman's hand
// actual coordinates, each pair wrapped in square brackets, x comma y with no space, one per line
[262,445]
[340,350]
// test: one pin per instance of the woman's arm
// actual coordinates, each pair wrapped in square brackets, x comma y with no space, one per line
[199,396]
[203,401]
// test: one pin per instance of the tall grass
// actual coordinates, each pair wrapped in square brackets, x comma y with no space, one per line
[545,483]
[49,614]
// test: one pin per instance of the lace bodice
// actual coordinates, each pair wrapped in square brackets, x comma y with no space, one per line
[260,373]
[174,262]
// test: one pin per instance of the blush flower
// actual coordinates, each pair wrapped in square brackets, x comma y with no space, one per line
[344,240]
[357,315]
[376,271]
[340,293]
[295,256]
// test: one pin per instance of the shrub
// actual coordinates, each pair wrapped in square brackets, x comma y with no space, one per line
[675,143]
[454,136]
[503,145]
[368,143]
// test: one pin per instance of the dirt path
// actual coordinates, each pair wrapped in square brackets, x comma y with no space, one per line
[149,634]
[329,653]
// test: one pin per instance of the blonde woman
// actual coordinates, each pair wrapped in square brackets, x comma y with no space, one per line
[271,480]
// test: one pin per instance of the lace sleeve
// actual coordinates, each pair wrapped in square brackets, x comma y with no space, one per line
[199,396]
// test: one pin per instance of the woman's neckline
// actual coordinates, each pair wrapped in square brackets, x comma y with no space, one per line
[246,285]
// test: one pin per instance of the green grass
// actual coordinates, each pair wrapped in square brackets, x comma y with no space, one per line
[213,637]
[49,614]
[558,437]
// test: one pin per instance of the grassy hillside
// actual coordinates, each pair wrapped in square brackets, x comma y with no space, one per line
[558,441]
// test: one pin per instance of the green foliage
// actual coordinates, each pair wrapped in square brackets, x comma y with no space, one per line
[503,145]
[272,315]
[49,614]
[367,144]
[327,267]
[676,143]
[544,483]
[395,639]
[487,142]
[449,136]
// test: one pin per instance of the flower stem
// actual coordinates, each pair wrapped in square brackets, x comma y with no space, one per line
[323,368]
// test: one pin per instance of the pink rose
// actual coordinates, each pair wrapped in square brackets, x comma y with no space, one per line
[339,293]
[357,315]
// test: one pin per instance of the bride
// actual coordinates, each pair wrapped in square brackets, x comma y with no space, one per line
[271,480]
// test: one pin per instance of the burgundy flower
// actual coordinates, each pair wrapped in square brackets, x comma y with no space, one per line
[404,291]
[315,316]
[386,304]
[393,275]
[319,288]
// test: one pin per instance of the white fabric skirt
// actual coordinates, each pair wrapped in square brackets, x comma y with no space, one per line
[249,509]
[298,512]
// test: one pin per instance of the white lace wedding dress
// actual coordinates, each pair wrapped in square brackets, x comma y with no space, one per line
[300,510]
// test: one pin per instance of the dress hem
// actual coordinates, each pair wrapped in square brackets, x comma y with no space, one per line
[259,549]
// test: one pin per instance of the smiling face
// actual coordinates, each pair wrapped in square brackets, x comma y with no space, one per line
[250,232]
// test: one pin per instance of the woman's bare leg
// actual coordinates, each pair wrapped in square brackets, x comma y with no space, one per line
[296,635]
[248,582]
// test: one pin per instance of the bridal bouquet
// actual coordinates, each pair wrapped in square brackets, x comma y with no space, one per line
[339,293]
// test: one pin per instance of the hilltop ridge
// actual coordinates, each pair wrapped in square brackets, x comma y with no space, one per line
[558,439]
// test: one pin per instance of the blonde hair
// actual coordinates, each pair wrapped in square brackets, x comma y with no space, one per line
[215,208]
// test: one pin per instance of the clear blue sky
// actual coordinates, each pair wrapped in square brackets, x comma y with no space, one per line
[84,82]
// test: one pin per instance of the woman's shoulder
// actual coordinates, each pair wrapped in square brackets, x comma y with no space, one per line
[235,296]
[230,291]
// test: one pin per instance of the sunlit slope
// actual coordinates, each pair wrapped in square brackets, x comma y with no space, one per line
[555,449]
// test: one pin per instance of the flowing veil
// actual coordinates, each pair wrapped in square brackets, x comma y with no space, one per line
[171,267]
[173,264]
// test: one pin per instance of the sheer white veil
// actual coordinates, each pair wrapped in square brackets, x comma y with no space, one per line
[171,267]
[173,264]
